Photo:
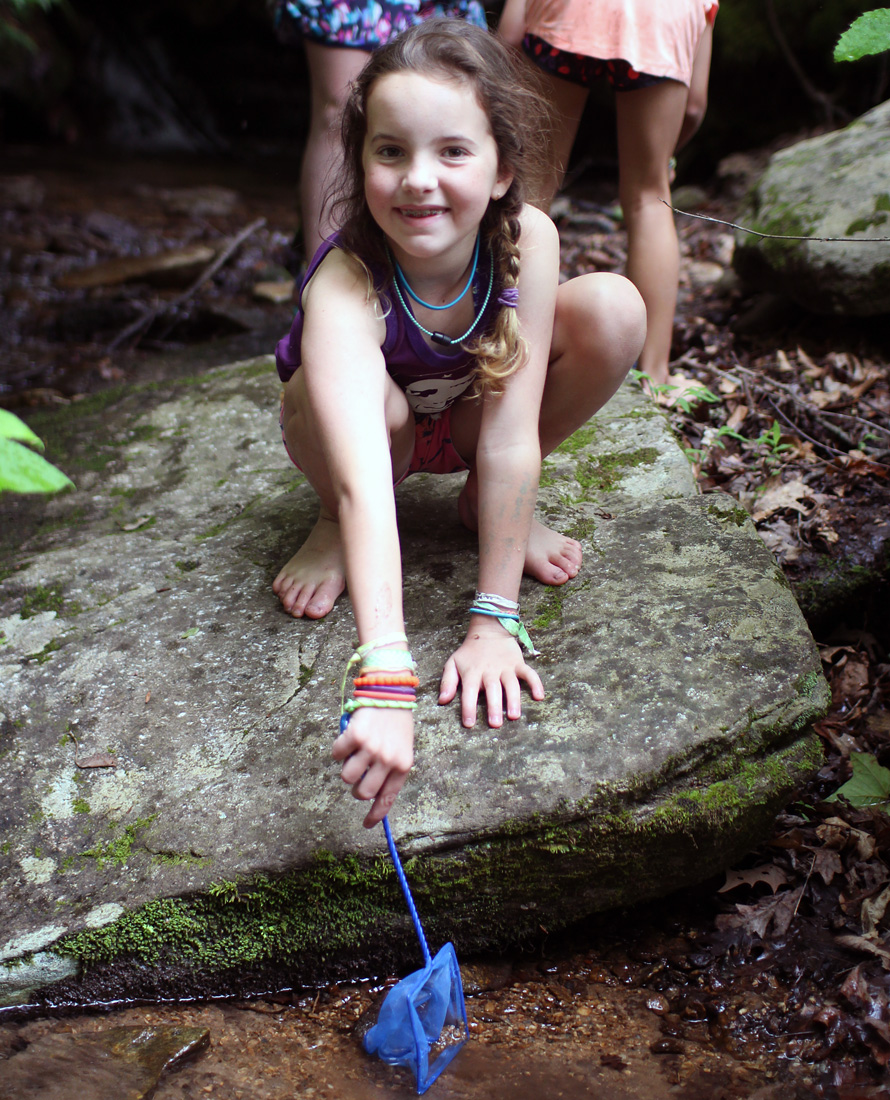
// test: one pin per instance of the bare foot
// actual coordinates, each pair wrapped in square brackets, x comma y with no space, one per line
[316,575]
[550,557]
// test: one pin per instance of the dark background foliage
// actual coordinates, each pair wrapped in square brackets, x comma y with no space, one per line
[209,76]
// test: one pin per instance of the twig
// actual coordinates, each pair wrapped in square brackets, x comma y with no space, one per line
[774,236]
[870,424]
[151,314]
[800,431]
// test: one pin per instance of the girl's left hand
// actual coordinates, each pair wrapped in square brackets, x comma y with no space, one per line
[489,660]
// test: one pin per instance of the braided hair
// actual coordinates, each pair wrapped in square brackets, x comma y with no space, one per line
[509,93]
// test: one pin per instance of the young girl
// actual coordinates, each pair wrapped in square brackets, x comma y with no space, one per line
[656,54]
[433,335]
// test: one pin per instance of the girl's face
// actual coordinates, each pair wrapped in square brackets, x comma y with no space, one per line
[430,165]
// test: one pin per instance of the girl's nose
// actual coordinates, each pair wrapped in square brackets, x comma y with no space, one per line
[420,175]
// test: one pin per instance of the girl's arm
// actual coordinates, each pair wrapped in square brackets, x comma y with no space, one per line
[346,384]
[511,25]
[508,466]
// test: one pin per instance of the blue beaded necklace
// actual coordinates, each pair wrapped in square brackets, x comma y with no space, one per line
[406,286]
[441,337]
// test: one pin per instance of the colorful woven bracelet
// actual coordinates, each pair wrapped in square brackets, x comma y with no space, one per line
[356,704]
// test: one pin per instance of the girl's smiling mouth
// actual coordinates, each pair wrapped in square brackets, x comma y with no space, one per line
[420,211]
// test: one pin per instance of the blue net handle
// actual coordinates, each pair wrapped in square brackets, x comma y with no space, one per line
[400,874]
[403,882]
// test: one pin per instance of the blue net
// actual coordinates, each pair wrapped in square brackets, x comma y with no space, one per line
[415,1014]
[423,1015]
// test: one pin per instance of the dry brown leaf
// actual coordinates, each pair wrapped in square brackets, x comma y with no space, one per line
[779,495]
[134,525]
[869,947]
[812,369]
[777,910]
[872,912]
[737,417]
[827,863]
[782,540]
[767,873]
[97,760]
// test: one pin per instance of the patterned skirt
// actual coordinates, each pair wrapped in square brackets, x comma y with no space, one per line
[363,24]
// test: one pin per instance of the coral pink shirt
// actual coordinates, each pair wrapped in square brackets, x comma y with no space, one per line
[658,37]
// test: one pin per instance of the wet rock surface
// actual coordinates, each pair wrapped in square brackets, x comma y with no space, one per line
[121,1063]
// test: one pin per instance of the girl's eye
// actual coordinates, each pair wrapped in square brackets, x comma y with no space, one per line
[454,152]
[389,152]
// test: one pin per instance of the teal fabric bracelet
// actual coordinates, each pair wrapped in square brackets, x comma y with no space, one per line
[513,625]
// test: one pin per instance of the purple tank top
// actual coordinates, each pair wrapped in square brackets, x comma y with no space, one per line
[432,380]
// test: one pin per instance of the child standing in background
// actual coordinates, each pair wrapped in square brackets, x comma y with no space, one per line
[433,335]
[656,54]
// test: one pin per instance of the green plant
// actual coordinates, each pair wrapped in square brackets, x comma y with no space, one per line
[21,470]
[688,396]
[869,34]
[770,439]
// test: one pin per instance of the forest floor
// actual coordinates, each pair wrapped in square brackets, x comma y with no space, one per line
[772,982]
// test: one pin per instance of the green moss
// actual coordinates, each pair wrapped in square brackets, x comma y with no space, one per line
[187,566]
[603,472]
[48,650]
[860,225]
[583,437]
[550,605]
[882,202]
[80,805]
[117,850]
[735,516]
[43,598]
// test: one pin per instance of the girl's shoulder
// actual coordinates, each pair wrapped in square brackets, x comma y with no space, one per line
[538,228]
[339,273]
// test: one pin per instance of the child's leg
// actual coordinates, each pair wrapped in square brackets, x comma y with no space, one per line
[567,103]
[649,122]
[315,576]
[598,330]
[697,100]
[331,71]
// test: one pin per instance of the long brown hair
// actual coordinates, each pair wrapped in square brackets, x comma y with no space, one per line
[508,92]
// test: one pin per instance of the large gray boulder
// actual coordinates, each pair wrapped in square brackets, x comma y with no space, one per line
[223,851]
[836,185]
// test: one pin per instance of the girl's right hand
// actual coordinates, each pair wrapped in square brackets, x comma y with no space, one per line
[377,750]
[489,662]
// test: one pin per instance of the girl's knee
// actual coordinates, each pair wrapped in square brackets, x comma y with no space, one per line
[604,315]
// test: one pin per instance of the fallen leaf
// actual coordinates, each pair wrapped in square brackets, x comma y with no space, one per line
[737,417]
[869,947]
[778,496]
[777,910]
[872,912]
[135,524]
[827,863]
[767,873]
[868,786]
[97,760]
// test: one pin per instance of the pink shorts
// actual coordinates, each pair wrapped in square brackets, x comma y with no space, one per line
[434,452]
